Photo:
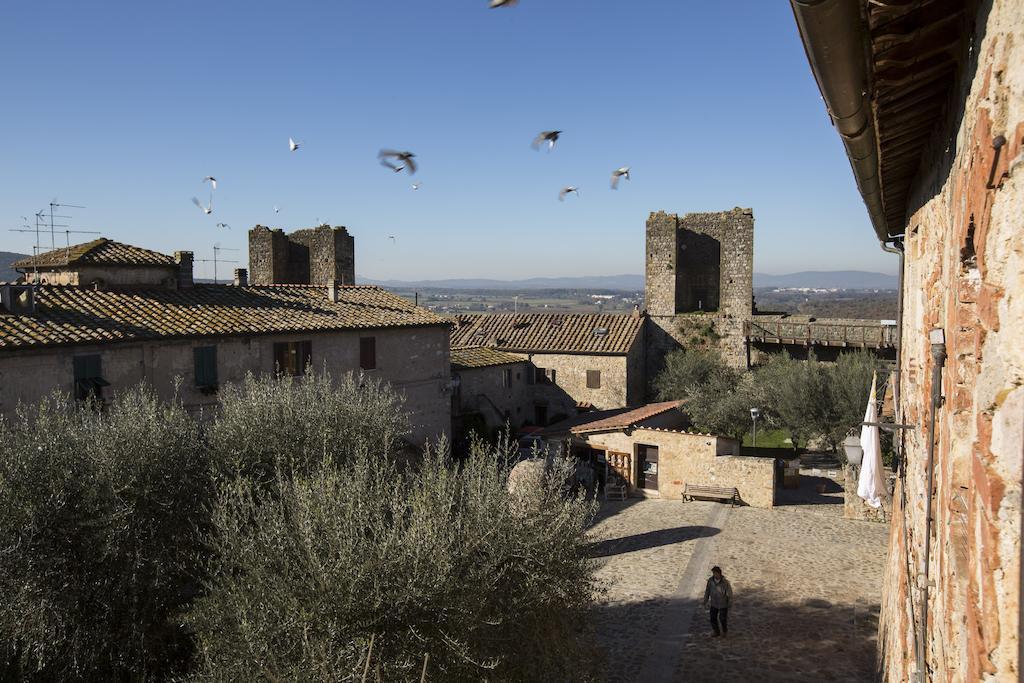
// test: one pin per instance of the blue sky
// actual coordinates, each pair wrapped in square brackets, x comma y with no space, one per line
[124,107]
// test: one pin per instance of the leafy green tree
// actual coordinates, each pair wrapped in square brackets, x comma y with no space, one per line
[722,405]
[342,569]
[795,395]
[102,517]
[849,382]
[689,368]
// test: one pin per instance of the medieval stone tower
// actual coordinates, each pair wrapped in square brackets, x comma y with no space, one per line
[699,283]
[313,256]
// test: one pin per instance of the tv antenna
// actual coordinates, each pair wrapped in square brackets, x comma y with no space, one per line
[53,205]
[217,259]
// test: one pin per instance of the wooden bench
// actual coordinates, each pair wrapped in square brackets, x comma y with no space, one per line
[722,493]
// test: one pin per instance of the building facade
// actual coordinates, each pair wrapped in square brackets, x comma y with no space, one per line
[929,100]
[187,340]
[578,361]
[310,256]
[491,389]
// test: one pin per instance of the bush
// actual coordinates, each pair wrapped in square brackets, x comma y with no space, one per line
[102,517]
[338,567]
[293,423]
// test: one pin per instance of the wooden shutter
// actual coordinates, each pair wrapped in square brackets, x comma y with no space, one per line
[205,366]
[593,379]
[368,353]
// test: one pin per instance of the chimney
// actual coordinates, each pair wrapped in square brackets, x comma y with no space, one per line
[184,261]
[241,277]
[636,310]
[333,288]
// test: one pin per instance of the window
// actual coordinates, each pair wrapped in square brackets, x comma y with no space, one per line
[368,353]
[292,358]
[550,373]
[593,379]
[205,366]
[89,380]
[506,377]
[540,375]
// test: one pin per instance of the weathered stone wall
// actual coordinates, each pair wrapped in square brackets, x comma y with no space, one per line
[107,276]
[482,390]
[854,506]
[699,273]
[415,361]
[701,459]
[965,274]
[310,256]
[570,386]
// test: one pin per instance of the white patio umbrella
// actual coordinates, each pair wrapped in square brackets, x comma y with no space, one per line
[870,486]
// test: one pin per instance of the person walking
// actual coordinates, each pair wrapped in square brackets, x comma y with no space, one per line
[718,597]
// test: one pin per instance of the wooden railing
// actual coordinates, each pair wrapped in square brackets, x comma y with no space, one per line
[875,335]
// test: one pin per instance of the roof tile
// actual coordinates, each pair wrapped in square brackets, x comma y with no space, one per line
[548,332]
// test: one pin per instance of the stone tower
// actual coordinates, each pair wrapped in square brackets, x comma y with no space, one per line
[314,256]
[699,283]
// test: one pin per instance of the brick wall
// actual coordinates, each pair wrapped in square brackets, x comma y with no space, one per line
[965,274]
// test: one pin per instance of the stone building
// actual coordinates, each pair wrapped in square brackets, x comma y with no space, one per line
[929,101]
[312,256]
[99,339]
[578,361]
[651,449]
[490,389]
[699,283]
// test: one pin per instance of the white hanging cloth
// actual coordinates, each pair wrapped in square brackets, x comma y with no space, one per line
[871,486]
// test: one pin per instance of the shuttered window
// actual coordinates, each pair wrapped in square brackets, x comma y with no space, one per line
[506,377]
[368,353]
[88,372]
[205,366]
[292,358]
[593,379]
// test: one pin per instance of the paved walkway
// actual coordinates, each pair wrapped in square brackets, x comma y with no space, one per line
[807,590]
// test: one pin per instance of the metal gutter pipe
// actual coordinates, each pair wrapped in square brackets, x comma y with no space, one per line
[938,343]
[897,248]
[834,34]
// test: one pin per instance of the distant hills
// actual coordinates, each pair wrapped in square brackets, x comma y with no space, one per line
[8,274]
[828,279]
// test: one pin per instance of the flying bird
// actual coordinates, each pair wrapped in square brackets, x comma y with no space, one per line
[392,238]
[277,210]
[619,173]
[567,190]
[548,136]
[206,209]
[502,3]
[416,186]
[405,159]
[292,145]
[223,225]
[212,181]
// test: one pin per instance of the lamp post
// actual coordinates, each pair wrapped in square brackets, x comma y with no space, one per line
[754,414]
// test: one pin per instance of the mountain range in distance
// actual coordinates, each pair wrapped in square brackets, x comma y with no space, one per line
[826,279]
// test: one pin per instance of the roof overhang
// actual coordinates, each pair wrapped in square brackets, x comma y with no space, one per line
[885,69]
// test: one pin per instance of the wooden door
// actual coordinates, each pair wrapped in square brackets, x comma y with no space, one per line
[647,467]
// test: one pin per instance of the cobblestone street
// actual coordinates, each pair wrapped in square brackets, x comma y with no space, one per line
[807,590]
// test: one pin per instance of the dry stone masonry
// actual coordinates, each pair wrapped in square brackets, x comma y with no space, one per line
[313,256]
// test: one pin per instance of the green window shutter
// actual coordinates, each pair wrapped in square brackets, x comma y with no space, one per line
[205,366]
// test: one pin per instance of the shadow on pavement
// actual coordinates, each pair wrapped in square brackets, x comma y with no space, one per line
[810,641]
[813,491]
[649,539]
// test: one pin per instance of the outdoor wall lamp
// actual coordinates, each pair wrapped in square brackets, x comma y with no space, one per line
[854,451]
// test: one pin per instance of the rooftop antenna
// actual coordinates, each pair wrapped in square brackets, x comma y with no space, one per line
[54,204]
[216,259]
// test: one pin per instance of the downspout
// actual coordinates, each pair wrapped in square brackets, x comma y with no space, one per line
[939,361]
[897,248]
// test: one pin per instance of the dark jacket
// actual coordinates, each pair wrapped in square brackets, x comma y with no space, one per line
[719,594]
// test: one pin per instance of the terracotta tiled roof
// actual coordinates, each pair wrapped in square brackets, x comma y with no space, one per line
[482,357]
[608,420]
[72,315]
[100,252]
[548,332]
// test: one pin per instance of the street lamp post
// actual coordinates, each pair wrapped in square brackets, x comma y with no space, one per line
[754,414]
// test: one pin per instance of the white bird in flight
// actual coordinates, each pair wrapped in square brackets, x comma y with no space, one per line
[206,209]
[212,181]
[292,145]
[277,210]
[502,3]
[416,186]
[405,159]
[223,225]
[617,174]
[548,136]
[567,190]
